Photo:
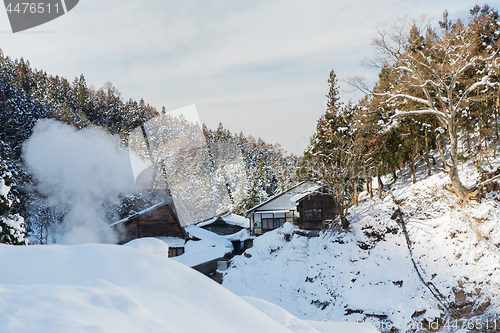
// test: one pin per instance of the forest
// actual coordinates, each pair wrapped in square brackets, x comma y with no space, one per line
[436,101]
[28,95]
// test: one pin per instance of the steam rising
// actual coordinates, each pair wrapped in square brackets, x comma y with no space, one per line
[81,170]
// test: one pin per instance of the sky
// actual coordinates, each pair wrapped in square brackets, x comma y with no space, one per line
[260,67]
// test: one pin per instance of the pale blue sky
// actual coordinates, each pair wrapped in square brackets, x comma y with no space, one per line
[260,67]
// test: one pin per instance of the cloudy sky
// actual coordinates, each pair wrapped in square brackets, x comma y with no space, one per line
[257,66]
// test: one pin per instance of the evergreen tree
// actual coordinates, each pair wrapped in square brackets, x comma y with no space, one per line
[12,229]
[333,156]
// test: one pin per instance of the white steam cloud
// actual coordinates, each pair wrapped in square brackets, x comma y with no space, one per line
[79,170]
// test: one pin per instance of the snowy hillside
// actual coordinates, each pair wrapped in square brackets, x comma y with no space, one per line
[110,288]
[366,273]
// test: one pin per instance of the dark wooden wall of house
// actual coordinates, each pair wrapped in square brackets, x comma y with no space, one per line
[156,223]
[328,206]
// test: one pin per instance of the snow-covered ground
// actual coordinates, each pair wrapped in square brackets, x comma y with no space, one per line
[366,274]
[111,288]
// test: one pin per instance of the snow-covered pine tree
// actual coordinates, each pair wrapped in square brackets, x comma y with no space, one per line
[12,229]
[333,155]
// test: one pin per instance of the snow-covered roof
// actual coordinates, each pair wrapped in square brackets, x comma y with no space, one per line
[173,241]
[279,195]
[274,211]
[229,218]
[147,210]
[201,255]
[296,198]
[241,235]
[210,246]
[212,237]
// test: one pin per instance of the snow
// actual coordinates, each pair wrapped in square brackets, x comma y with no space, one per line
[235,219]
[211,237]
[17,227]
[304,194]
[229,218]
[275,312]
[281,201]
[210,246]
[338,276]
[111,288]
[297,325]
[149,244]
[173,241]
[241,235]
[4,189]
[200,252]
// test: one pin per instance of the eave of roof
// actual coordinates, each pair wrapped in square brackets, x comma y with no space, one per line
[147,210]
[277,196]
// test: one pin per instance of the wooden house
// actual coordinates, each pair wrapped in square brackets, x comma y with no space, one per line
[315,208]
[234,227]
[306,204]
[158,221]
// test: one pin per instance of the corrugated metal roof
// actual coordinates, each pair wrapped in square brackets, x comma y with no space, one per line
[277,196]
[296,198]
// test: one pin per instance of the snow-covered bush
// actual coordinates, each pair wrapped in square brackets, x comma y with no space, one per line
[12,229]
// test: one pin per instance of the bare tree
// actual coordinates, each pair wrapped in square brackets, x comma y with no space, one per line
[432,74]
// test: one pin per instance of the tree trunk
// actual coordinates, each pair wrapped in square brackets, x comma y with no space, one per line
[394,176]
[380,184]
[461,191]
[370,181]
[468,142]
[356,202]
[427,160]
[412,168]
[367,176]
[345,222]
[496,114]
[343,219]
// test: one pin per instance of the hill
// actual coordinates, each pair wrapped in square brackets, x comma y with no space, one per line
[366,273]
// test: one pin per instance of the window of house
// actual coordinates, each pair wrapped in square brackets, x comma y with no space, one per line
[278,222]
[174,252]
[268,223]
[313,211]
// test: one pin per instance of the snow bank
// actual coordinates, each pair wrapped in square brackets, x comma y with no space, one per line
[149,244]
[279,314]
[110,288]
